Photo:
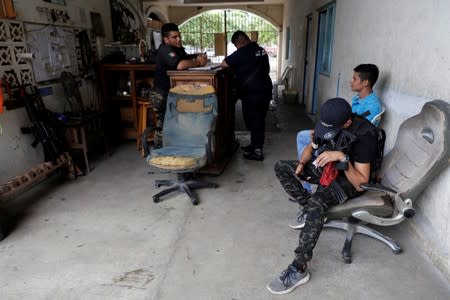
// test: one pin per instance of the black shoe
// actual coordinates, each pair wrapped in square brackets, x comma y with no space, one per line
[248,148]
[256,154]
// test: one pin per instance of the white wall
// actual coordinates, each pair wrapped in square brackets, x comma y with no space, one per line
[408,40]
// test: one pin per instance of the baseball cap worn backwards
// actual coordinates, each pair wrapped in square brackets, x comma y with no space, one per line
[333,115]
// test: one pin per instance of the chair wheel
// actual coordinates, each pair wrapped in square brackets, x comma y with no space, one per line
[2,235]
[157,185]
[398,251]
[155,199]
[347,259]
[195,202]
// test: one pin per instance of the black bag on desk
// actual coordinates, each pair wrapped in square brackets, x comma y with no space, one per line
[117,57]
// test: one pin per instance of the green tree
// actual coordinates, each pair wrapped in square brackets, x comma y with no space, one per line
[199,31]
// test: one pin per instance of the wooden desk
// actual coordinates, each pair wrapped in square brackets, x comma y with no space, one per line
[121,108]
[223,82]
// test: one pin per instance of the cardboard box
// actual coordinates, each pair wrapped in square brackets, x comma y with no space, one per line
[290,95]
[155,24]
[7,9]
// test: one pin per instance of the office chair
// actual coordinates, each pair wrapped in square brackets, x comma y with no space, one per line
[421,152]
[283,81]
[188,137]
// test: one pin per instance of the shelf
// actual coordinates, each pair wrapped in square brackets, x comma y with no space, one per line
[126,114]
[122,98]
[143,99]
[126,124]
[124,110]
[128,133]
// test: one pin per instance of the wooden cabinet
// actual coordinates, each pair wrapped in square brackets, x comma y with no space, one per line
[223,82]
[122,87]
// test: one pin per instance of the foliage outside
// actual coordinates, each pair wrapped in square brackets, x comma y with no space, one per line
[199,32]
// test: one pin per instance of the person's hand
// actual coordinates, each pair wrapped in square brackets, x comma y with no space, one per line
[300,168]
[328,156]
[202,59]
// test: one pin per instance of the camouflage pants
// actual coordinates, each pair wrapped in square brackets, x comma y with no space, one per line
[158,100]
[315,207]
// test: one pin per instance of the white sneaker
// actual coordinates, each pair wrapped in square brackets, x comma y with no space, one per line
[299,221]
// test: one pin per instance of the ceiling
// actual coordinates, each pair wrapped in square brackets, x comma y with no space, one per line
[214,2]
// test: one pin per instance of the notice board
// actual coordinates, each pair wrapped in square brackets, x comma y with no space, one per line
[54,50]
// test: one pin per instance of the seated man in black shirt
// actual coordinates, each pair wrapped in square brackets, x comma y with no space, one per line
[170,56]
[345,150]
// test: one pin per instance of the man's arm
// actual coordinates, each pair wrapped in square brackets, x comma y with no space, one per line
[224,64]
[198,61]
[357,174]
[304,158]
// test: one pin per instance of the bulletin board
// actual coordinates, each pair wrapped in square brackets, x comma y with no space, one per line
[54,48]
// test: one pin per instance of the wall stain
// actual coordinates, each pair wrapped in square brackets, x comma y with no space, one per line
[138,279]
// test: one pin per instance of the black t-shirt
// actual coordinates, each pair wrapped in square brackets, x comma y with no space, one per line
[364,149]
[167,58]
[252,68]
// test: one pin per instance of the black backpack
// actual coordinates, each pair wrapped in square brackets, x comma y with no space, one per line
[380,134]
[381,137]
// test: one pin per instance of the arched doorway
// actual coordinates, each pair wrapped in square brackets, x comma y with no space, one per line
[211,32]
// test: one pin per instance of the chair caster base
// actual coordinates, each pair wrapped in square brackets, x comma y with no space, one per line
[355,228]
[184,184]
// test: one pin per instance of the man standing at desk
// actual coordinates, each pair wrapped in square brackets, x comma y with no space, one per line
[254,88]
[170,56]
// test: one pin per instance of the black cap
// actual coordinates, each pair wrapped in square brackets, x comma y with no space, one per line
[333,115]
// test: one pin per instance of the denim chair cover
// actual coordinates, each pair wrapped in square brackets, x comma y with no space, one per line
[188,134]
[421,152]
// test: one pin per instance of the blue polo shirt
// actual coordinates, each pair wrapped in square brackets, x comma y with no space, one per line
[367,107]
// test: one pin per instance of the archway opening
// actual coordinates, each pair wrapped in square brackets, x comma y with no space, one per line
[211,32]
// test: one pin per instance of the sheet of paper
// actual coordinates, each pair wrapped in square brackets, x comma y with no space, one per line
[208,66]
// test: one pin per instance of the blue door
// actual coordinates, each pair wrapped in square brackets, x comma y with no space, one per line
[306,65]
[324,50]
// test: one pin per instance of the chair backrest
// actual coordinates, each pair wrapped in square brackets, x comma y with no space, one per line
[421,151]
[189,119]
[285,76]
[376,120]
[71,92]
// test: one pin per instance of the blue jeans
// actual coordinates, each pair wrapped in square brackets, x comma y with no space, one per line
[303,140]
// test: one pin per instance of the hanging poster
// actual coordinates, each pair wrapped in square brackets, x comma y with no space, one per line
[126,21]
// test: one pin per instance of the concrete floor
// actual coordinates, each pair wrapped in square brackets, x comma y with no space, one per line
[102,237]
